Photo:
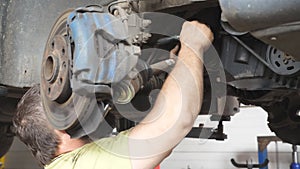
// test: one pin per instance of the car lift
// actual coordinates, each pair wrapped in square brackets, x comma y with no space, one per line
[210,133]
[250,165]
[295,164]
[263,143]
[2,160]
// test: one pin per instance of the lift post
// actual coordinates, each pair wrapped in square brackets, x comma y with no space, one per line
[2,160]
[263,142]
[295,164]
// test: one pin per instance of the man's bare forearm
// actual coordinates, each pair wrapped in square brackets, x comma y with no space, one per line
[176,107]
[175,110]
[181,96]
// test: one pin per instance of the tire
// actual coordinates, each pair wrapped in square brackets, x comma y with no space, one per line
[284,119]
[6,139]
[7,109]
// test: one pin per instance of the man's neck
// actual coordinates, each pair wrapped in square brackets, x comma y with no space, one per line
[67,144]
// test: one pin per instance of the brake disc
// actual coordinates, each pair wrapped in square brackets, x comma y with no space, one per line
[66,110]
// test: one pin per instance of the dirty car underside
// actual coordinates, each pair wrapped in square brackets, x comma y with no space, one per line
[100,65]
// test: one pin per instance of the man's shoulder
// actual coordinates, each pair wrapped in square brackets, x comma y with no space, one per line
[110,152]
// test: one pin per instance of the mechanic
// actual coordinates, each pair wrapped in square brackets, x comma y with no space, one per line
[146,144]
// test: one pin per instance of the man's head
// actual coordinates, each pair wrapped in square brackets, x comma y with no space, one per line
[32,127]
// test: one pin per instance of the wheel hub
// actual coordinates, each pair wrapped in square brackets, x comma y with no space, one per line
[55,70]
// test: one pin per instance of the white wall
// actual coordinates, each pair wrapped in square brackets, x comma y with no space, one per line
[241,145]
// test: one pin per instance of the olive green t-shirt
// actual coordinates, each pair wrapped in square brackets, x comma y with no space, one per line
[107,153]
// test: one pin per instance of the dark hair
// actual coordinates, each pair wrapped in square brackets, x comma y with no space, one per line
[33,128]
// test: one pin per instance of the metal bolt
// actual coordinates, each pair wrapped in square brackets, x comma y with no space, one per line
[298,113]
[236,109]
[273,38]
[116,13]
[146,23]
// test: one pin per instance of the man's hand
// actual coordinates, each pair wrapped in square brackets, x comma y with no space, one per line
[196,36]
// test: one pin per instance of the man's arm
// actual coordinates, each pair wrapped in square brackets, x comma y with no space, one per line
[177,105]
